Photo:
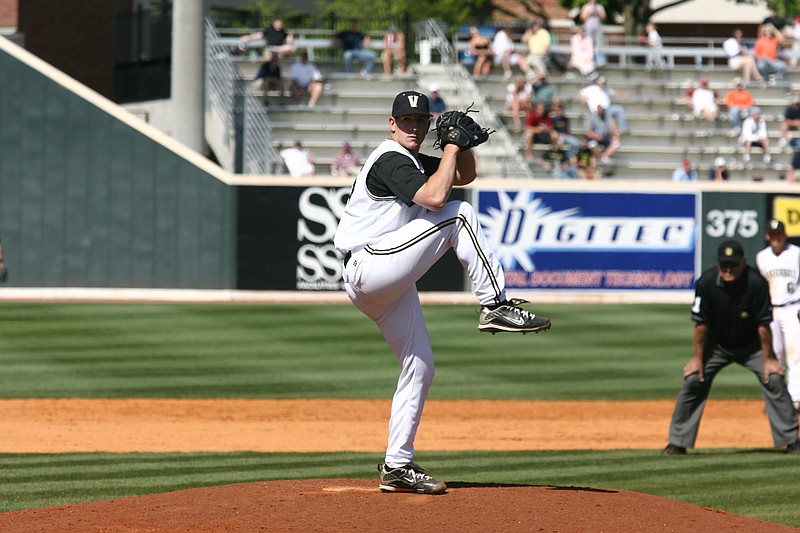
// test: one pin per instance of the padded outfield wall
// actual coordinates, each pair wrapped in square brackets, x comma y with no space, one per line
[92,197]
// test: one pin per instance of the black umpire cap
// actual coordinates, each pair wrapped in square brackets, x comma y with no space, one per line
[410,103]
[730,252]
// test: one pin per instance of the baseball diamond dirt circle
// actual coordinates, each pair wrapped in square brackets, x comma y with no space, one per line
[333,505]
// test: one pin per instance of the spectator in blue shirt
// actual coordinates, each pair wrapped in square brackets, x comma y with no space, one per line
[685,172]
[436,103]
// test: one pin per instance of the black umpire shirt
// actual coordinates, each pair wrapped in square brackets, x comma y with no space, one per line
[733,311]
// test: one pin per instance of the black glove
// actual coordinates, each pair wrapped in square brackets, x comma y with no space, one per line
[457,127]
[3,271]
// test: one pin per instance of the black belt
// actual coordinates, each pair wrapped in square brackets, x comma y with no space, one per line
[347,257]
[787,304]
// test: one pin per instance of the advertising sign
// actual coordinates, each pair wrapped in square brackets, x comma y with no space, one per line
[786,208]
[725,216]
[597,240]
[285,241]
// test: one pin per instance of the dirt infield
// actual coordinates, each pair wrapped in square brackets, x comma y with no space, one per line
[338,505]
[168,425]
[356,505]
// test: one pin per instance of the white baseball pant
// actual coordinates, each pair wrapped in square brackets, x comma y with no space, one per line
[381,278]
[786,344]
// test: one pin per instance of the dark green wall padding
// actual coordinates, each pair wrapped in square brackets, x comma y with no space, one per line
[88,201]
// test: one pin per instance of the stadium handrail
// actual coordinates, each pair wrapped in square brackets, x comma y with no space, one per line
[704,54]
[309,39]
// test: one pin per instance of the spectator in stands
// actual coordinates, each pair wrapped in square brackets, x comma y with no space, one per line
[356,48]
[600,94]
[543,90]
[773,22]
[794,165]
[586,161]
[685,172]
[555,59]
[581,52]
[740,58]
[480,46]
[346,163]
[766,53]
[394,50]
[592,15]
[558,162]
[719,172]
[738,101]
[603,134]
[504,54]
[519,96]
[537,128]
[561,127]
[791,122]
[754,133]
[299,161]
[703,101]
[795,34]
[277,39]
[436,104]
[654,57]
[269,78]
[538,41]
[305,78]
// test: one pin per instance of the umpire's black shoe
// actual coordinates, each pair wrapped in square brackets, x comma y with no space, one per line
[793,448]
[671,449]
[409,478]
[508,316]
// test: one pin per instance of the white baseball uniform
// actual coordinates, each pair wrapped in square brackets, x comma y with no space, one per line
[783,274]
[388,243]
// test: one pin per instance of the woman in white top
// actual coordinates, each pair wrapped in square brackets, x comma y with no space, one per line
[754,132]
[518,99]
[739,57]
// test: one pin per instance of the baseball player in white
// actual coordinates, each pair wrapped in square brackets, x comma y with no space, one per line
[779,263]
[397,223]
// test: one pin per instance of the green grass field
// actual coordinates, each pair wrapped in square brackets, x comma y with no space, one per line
[593,352]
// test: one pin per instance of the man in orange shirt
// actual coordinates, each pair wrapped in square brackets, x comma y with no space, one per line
[738,101]
[766,53]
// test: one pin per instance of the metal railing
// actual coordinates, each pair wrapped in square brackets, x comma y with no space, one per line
[430,34]
[244,118]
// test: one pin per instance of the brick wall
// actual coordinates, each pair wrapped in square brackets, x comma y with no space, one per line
[9,10]
[551,7]
[76,37]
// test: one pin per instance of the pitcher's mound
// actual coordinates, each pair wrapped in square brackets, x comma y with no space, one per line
[334,505]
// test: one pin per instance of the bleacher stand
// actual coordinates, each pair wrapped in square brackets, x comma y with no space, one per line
[662,129]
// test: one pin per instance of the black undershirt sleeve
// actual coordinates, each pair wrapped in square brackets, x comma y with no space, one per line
[394,175]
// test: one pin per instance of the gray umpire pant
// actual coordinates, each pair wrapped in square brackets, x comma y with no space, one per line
[694,393]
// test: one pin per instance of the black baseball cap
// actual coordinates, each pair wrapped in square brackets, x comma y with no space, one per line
[410,103]
[776,226]
[730,252]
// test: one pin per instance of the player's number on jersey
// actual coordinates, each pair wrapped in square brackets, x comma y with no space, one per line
[730,222]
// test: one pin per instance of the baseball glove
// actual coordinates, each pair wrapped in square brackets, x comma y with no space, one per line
[457,127]
[3,271]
